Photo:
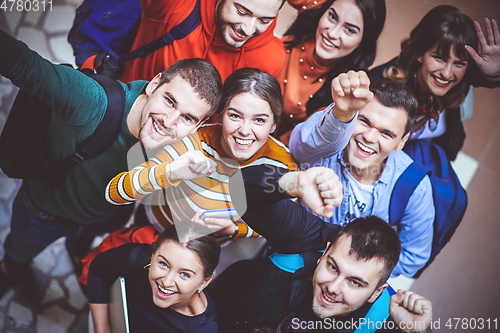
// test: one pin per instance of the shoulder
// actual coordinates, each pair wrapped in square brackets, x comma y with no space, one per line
[206,322]
[210,135]
[396,164]
[209,130]
[378,72]
[211,311]
[398,161]
[276,150]
[132,90]
[131,255]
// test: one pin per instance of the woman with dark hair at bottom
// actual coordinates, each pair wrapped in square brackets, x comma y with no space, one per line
[439,62]
[326,39]
[164,282]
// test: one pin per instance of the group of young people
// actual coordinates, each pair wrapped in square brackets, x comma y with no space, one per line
[349,147]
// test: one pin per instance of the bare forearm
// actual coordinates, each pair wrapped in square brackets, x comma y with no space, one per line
[100,317]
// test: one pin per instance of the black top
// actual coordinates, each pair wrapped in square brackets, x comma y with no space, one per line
[293,228]
[254,293]
[144,316]
[305,320]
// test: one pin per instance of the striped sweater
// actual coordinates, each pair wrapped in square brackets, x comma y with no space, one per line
[191,196]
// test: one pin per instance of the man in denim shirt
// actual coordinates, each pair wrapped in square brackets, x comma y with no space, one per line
[364,149]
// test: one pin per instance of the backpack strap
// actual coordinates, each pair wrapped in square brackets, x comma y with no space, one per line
[180,31]
[403,189]
[287,262]
[104,135]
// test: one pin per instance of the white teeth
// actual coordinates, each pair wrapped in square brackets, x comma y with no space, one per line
[237,33]
[328,43]
[365,148]
[332,300]
[166,291]
[243,142]
[441,81]
[157,128]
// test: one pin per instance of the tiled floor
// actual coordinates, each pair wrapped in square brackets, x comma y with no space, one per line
[462,282]
[63,307]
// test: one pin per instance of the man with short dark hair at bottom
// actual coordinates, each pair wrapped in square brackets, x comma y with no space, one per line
[162,111]
[342,290]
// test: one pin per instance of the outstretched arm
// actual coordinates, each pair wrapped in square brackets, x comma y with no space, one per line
[100,317]
[328,132]
[287,224]
[488,60]
[169,166]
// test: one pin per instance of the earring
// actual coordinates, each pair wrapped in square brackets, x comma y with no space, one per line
[419,59]
[147,266]
[199,291]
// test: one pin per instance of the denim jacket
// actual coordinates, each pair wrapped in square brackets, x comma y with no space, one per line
[320,142]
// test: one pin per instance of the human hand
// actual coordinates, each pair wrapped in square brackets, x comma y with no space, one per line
[222,227]
[350,92]
[319,188]
[190,165]
[410,311]
[488,60]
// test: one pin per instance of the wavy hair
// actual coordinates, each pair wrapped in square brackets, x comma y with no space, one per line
[443,28]
[304,29]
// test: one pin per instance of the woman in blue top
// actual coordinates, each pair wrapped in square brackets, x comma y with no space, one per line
[164,282]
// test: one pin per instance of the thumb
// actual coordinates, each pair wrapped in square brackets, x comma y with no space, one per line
[326,211]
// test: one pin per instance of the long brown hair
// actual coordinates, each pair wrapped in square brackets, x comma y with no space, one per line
[304,29]
[444,28]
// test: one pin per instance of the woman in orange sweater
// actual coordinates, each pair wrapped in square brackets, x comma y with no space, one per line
[327,38]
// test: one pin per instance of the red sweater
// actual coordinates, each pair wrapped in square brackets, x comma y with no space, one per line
[159,16]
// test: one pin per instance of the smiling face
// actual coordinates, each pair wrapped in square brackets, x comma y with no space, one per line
[339,32]
[379,130]
[342,283]
[246,125]
[439,73]
[176,275]
[240,20]
[172,111]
